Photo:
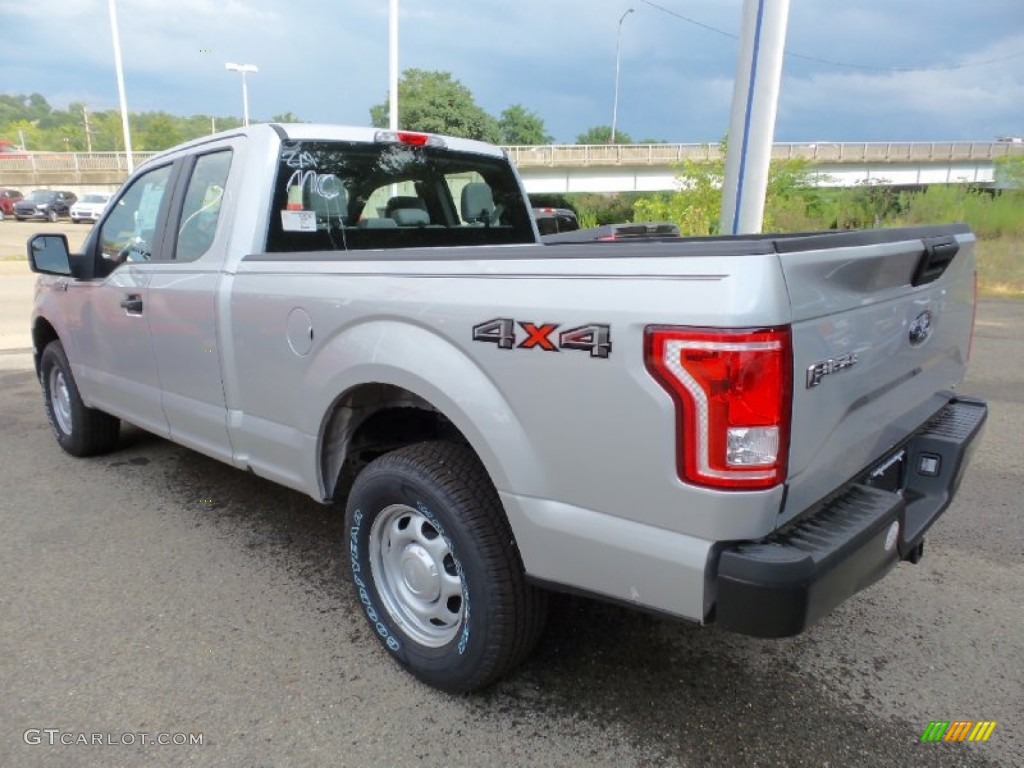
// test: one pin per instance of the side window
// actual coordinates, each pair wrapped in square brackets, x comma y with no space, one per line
[129,232]
[200,211]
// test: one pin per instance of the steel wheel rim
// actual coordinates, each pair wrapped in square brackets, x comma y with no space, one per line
[60,398]
[417,577]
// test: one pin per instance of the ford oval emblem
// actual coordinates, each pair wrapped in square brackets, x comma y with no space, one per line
[921,329]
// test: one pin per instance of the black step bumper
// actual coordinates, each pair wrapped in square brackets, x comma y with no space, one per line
[782,584]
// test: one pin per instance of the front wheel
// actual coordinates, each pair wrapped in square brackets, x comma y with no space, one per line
[436,569]
[52,217]
[81,431]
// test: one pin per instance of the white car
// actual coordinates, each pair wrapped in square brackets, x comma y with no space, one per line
[90,207]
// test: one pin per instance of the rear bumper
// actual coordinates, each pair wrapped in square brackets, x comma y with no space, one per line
[782,584]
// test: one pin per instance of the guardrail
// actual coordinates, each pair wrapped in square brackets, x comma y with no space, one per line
[819,152]
[69,162]
[109,169]
[599,154]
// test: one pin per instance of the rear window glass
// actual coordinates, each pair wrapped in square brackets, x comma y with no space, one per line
[334,195]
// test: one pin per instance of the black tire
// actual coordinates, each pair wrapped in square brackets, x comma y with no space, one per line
[52,216]
[79,430]
[441,492]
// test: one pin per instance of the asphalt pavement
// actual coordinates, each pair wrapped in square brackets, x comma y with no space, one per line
[156,592]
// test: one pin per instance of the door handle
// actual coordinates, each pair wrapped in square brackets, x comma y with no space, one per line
[132,304]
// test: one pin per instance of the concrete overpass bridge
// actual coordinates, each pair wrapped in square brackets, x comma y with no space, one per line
[608,168]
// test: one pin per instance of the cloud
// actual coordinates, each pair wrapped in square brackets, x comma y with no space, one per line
[971,102]
[327,60]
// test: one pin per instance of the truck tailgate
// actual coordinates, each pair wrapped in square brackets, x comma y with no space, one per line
[879,342]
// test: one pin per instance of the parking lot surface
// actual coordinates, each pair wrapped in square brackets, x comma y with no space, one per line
[155,591]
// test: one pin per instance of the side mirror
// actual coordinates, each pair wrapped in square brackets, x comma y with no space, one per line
[49,254]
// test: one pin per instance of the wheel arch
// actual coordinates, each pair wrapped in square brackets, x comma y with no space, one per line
[43,333]
[395,370]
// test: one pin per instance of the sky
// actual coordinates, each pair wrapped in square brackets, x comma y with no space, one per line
[855,70]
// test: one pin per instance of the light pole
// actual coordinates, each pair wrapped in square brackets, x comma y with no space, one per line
[243,68]
[119,69]
[393,66]
[618,51]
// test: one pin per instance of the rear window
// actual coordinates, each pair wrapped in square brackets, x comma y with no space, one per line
[336,195]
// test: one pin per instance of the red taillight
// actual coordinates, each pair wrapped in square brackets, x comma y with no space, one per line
[410,138]
[413,139]
[733,391]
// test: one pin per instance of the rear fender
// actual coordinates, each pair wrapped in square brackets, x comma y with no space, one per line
[430,367]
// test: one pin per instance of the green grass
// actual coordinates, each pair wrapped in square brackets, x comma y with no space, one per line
[1001,266]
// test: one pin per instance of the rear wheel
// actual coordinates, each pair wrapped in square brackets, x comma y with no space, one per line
[81,431]
[436,569]
[52,216]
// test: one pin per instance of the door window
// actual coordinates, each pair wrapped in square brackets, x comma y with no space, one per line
[129,233]
[201,208]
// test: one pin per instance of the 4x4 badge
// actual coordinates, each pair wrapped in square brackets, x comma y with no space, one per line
[594,338]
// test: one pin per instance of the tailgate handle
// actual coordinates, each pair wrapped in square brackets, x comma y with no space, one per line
[938,254]
[132,304]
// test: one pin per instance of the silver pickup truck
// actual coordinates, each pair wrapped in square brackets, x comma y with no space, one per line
[740,430]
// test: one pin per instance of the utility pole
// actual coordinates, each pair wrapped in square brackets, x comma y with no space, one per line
[88,130]
[119,70]
[755,102]
[393,66]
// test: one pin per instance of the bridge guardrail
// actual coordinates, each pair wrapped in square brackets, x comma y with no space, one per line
[110,169]
[816,152]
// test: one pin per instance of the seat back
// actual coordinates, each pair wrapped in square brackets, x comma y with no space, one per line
[331,206]
[410,217]
[477,203]
[403,202]
[377,224]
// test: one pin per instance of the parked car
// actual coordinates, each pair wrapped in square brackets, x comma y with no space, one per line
[8,199]
[46,204]
[90,207]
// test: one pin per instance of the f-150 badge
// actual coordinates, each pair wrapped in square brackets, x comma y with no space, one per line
[594,338]
[819,370]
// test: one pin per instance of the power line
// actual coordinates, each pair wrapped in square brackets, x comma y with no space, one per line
[830,62]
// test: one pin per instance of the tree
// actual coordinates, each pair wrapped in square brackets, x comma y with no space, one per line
[602,134]
[156,130]
[286,117]
[435,102]
[520,126]
[1010,170]
[697,205]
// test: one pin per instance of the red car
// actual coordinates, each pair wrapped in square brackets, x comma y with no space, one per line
[8,198]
